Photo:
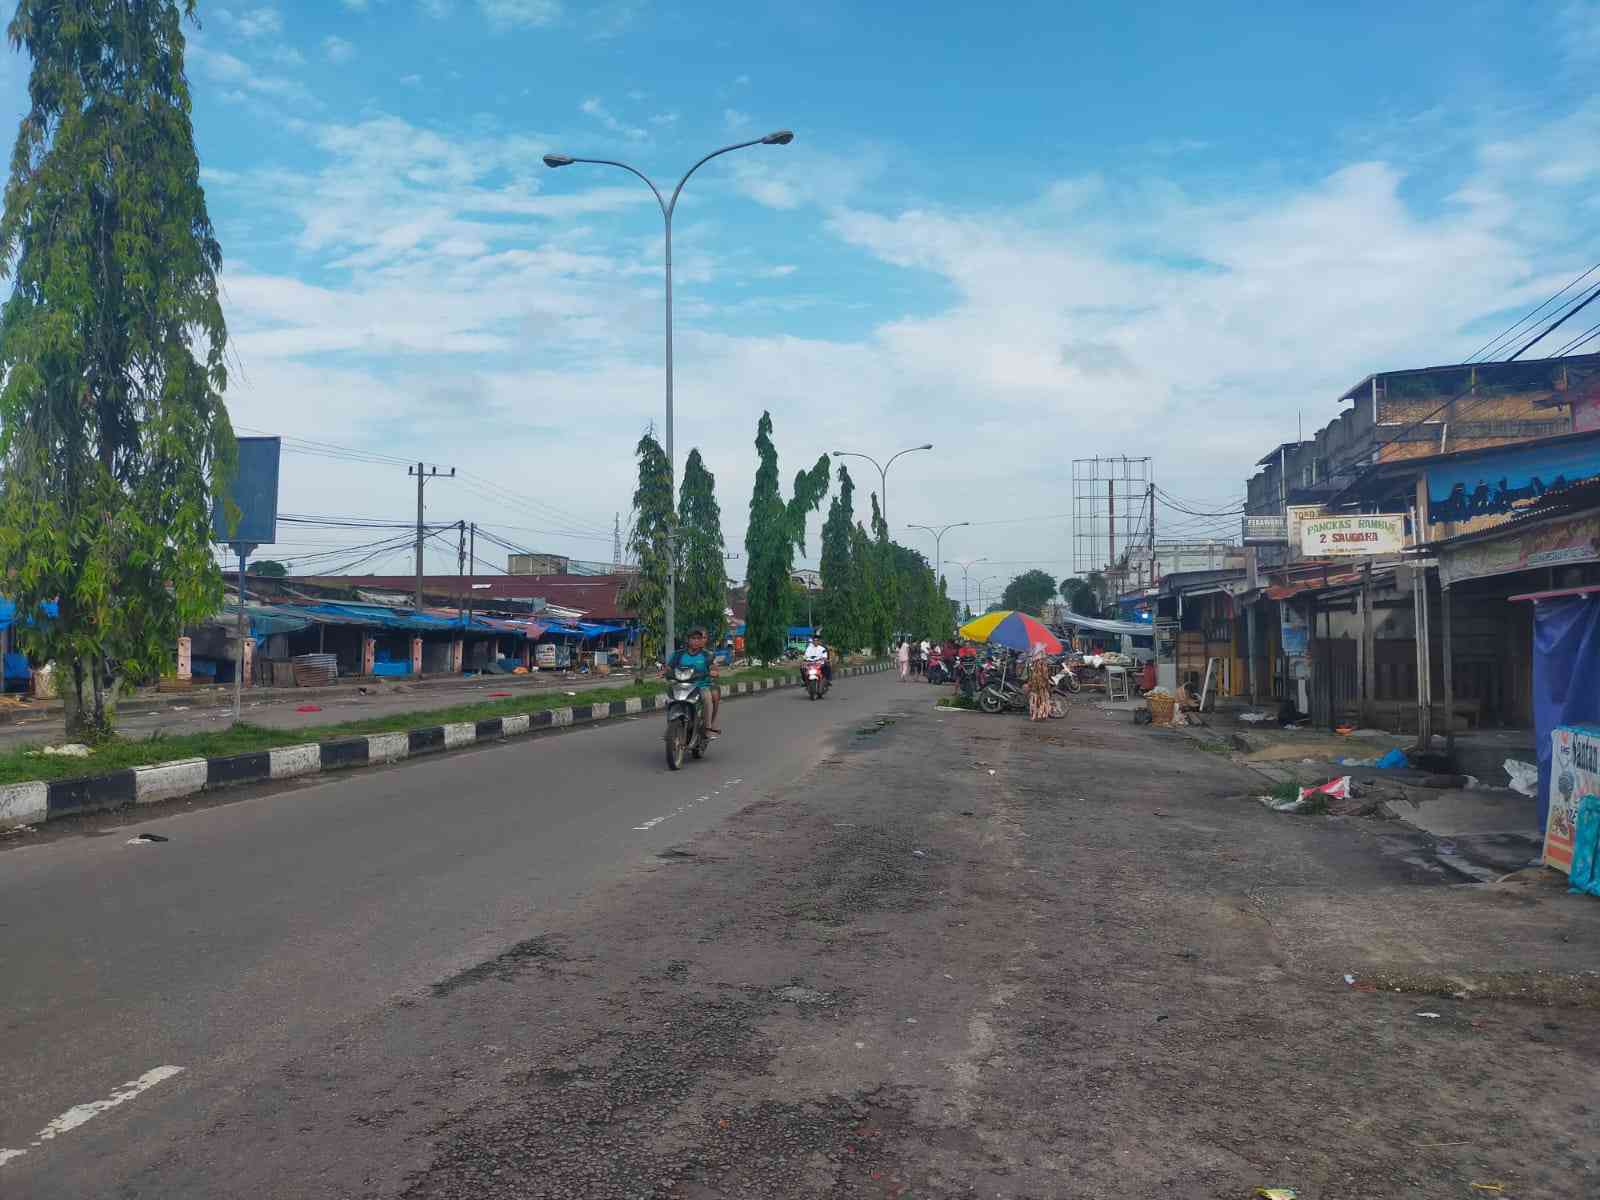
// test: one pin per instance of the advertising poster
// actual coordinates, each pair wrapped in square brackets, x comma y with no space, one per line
[1340,537]
[1574,774]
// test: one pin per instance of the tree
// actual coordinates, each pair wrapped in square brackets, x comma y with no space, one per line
[841,603]
[116,442]
[776,530]
[702,573]
[650,544]
[1029,591]
[1080,597]
[884,603]
[864,583]
[267,569]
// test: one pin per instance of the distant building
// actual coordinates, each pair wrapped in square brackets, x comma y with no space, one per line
[538,564]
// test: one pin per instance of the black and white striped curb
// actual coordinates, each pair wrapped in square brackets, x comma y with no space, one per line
[31,803]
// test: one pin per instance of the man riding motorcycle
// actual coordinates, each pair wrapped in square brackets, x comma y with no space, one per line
[698,659]
[817,652]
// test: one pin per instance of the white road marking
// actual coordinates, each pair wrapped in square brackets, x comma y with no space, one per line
[683,808]
[80,1114]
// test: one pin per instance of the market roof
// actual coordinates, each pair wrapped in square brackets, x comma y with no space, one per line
[1101,625]
[1532,366]
[593,595]
[1279,449]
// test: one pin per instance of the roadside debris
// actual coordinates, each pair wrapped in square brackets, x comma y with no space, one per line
[147,839]
[70,750]
[1432,1016]
[1255,718]
[309,708]
[1275,1194]
[1524,776]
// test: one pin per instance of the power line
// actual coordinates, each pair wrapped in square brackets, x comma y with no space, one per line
[1558,322]
[1497,342]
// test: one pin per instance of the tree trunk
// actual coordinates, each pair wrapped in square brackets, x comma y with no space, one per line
[82,690]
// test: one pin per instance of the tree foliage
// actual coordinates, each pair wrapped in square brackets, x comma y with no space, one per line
[1080,596]
[650,545]
[116,443]
[702,573]
[777,529]
[1029,592]
[883,600]
[266,568]
[841,607]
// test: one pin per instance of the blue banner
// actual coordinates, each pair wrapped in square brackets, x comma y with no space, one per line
[1496,483]
[1566,675]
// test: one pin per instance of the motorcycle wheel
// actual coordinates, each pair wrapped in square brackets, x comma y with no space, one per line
[811,688]
[990,701]
[675,737]
[1058,706]
[699,747]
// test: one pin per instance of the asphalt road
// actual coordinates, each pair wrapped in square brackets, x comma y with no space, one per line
[146,987]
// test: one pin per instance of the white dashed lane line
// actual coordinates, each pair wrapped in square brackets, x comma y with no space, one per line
[683,808]
[80,1114]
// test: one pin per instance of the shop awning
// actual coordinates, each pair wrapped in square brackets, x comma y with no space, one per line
[1100,625]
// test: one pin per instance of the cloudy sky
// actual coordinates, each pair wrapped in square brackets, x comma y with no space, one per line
[1050,231]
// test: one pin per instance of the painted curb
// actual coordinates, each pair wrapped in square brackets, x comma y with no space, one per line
[36,802]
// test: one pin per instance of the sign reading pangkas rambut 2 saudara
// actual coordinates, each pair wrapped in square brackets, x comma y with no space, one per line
[1335,537]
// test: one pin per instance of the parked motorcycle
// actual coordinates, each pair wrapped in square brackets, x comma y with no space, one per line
[1002,693]
[816,678]
[686,718]
[1064,678]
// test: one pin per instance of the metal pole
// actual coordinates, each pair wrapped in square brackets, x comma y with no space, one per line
[238,661]
[672,482]
[1449,676]
[1250,649]
[419,537]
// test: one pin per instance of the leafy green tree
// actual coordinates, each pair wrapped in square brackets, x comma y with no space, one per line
[267,569]
[1029,591]
[650,544]
[116,443]
[864,583]
[841,605]
[884,599]
[1080,597]
[777,529]
[702,573]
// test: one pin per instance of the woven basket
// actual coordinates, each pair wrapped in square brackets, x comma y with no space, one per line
[1161,708]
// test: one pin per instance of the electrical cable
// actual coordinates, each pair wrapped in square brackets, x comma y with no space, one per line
[1558,322]
[1494,344]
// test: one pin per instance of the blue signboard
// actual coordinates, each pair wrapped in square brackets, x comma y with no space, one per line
[1499,482]
[254,491]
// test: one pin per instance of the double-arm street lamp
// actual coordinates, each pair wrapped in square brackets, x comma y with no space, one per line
[781,137]
[883,471]
[985,580]
[938,537]
[965,567]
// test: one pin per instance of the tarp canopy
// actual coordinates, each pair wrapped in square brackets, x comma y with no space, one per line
[8,612]
[1566,676]
[1100,625]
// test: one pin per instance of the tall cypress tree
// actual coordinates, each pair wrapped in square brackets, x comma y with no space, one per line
[650,544]
[777,529]
[885,604]
[841,602]
[116,442]
[702,573]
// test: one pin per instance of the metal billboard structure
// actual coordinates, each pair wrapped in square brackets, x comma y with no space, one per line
[1111,515]
[254,492]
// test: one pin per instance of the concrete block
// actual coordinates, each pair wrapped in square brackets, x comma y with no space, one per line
[169,781]
[463,733]
[511,726]
[23,804]
[387,747]
[290,761]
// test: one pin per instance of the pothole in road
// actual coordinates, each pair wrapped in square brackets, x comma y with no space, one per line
[877,726]
[504,966]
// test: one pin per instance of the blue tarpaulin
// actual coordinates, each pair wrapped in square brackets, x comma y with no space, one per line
[8,612]
[1566,675]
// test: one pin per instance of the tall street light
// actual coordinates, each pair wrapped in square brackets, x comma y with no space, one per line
[781,137]
[965,567]
[985,580]
[938,537]
[883,471]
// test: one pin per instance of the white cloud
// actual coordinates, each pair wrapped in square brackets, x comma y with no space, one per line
[411,80]
[734,119]
[240,79]
[742,81]
[594,108]
[355,5]
[438,9]
[527,14]
[337,50]
[253,22]
[664,119]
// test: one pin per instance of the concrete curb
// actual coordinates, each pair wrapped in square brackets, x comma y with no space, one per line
[32,803]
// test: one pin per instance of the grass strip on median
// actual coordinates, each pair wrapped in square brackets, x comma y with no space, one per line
[27,764]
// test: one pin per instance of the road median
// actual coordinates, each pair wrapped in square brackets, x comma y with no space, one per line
[282,755]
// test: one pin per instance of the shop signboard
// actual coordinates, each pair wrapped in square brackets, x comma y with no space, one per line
[1574,774]
[1344,537]
[1268,529]
[1294,632]
[1554,544]
[1489,484]
[253,491]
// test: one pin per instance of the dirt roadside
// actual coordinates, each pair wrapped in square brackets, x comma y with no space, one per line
[972,956]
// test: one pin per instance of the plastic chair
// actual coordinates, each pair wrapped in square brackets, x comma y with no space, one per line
[1117,684]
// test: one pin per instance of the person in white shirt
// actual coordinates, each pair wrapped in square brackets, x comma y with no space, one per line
[817,652]
[924,656]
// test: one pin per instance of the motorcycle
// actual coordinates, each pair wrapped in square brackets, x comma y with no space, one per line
[686,722]
[817,683]
[1001,693]
[1064,678]
[937,672]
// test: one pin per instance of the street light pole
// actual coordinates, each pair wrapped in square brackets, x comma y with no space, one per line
[781,137]
[938,537]
[965,567]
[981,582]
[883,471]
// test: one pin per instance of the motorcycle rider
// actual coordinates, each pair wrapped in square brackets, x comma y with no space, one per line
[817,652]
[698,659]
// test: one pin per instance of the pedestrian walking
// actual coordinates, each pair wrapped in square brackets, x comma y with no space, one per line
[903,655]
[926,651]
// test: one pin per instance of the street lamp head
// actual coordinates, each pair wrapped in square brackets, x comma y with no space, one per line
[837,453]
[559,160]
[781,138]
[929,446]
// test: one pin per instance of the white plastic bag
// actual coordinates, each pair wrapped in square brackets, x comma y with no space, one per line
[1524,776]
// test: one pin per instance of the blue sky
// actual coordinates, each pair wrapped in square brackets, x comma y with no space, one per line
[1026,235]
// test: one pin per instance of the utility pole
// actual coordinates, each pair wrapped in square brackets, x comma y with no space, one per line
[1111,530]
[616,542]
[1152,494]
[423,472]
[472,557]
